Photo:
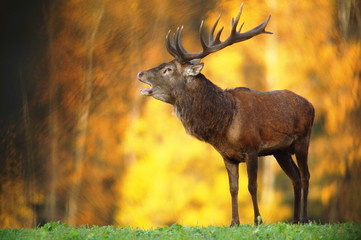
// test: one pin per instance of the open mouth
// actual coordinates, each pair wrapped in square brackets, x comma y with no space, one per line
[146,91]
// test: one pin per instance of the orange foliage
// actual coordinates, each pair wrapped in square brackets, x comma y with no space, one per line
[139,168]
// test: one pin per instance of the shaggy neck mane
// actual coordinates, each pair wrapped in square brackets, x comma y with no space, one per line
[205,110]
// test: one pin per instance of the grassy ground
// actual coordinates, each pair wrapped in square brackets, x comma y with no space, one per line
[57,230]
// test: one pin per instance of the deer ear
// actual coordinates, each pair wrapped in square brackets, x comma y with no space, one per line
[193,69]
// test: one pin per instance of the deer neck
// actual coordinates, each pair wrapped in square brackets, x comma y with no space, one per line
[205,110]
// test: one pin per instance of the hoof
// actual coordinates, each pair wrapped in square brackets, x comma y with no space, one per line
[258,221]
[305,220]
[234,223]
[295,221]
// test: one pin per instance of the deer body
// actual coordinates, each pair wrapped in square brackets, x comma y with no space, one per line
[240,120]
[241,124]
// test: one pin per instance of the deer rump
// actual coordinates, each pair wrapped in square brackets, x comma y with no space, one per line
[269,121]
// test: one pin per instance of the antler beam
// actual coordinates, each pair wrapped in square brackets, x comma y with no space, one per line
[176,49]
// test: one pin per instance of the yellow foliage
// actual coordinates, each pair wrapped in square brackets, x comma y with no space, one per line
[175,178]
[276,211]
[229,61]
[328,192]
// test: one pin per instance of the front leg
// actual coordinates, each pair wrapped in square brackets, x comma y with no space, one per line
[233,174]
[252,167]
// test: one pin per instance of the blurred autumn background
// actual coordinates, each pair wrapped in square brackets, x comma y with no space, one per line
[79,144]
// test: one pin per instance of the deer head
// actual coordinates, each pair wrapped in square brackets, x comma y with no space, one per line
[168,79]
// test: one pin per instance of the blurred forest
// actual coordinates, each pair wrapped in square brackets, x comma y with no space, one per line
[78,143]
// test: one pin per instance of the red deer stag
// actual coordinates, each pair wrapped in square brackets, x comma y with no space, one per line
[241,124]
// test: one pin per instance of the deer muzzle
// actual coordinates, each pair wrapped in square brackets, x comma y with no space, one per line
[145,91]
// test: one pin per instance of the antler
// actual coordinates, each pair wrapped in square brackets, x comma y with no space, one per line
[177,50]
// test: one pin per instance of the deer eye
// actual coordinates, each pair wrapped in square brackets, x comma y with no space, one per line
[167,70]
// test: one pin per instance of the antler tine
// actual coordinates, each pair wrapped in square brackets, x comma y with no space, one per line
[173,42]
[264,24]
[217,40]
[179,52]
[240,28]
[169,46]
[204,45]
[178,43]
[235,22]
[253,32]
[211,37]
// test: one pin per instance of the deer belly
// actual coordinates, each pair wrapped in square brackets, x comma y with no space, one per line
[271,147]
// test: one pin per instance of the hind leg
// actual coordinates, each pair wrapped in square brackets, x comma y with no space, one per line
[285,161]
[301,152]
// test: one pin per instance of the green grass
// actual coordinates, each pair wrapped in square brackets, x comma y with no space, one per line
[57,230]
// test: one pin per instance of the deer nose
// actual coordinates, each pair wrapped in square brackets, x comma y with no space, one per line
[140,74]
